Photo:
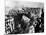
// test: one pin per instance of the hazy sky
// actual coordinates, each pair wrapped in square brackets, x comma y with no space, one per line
[13,3]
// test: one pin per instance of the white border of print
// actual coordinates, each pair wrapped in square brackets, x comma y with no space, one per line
[2,17]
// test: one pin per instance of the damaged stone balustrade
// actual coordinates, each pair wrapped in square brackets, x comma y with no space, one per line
[26,20]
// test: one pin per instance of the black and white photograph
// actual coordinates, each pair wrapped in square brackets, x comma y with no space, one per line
[24,17]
